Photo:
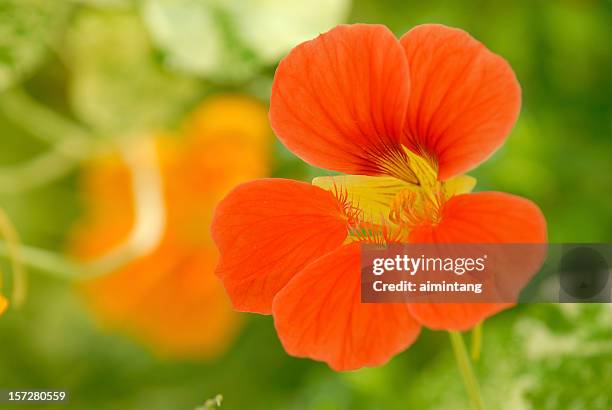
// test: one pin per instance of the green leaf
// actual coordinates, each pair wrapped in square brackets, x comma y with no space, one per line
[27,28]
[109,3]
[197,37]
[545,356]
[233,39]
[187,32]
[272,27]
[117,85]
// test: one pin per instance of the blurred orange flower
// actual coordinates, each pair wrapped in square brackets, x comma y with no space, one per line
[168,296]
[3,304]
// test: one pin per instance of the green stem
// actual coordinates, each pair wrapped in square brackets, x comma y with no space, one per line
[476,345]
[36,172]
[7,230]
[56,265]
[45,261]
[71,143]
[40,121]
[467,373]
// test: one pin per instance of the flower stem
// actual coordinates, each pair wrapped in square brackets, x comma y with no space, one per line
[7,230]
[45,261]
[40,121]
[70,143]
[476,342]
[467,373]
[42,169]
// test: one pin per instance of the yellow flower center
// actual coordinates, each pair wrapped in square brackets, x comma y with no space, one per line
[415,207]
[387,208]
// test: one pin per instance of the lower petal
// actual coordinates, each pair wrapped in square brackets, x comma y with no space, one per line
[319,314]
[480,218]
[267,231]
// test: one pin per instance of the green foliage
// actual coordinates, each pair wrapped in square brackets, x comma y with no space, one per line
[232,40]
[27,29]
[117,84]
[197,38]
[531,362]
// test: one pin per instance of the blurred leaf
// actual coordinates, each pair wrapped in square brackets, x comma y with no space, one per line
[272,27]
[27,27]
[550,357]
[117,86]
[187,31]
[109,3]
[196,38]
[230,40]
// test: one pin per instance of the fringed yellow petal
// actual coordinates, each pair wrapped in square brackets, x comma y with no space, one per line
[372,195]
[424,169]
[461,184]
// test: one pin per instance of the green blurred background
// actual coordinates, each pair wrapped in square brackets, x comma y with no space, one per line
[63,80]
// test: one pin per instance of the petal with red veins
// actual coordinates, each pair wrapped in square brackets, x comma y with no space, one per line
[480,218]
[464,99]
[319,315]
[339,101]
[267,231]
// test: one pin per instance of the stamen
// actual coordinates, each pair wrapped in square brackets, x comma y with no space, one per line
[413,207]
[361,227]
[351,210]
[419,203]
[380,234]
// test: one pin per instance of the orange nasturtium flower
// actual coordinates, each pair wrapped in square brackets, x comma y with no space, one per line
[169,298]
[406,118]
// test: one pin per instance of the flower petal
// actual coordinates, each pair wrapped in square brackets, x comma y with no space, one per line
[216,119]
[464,99]
[169,300]
[267,231]
[339,101]
[481,218]
[461,184]
[319,315]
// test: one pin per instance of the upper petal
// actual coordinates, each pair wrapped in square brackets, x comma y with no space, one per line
[464,99]
[481,218]
[339,101]
[319,314]
[268,230]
